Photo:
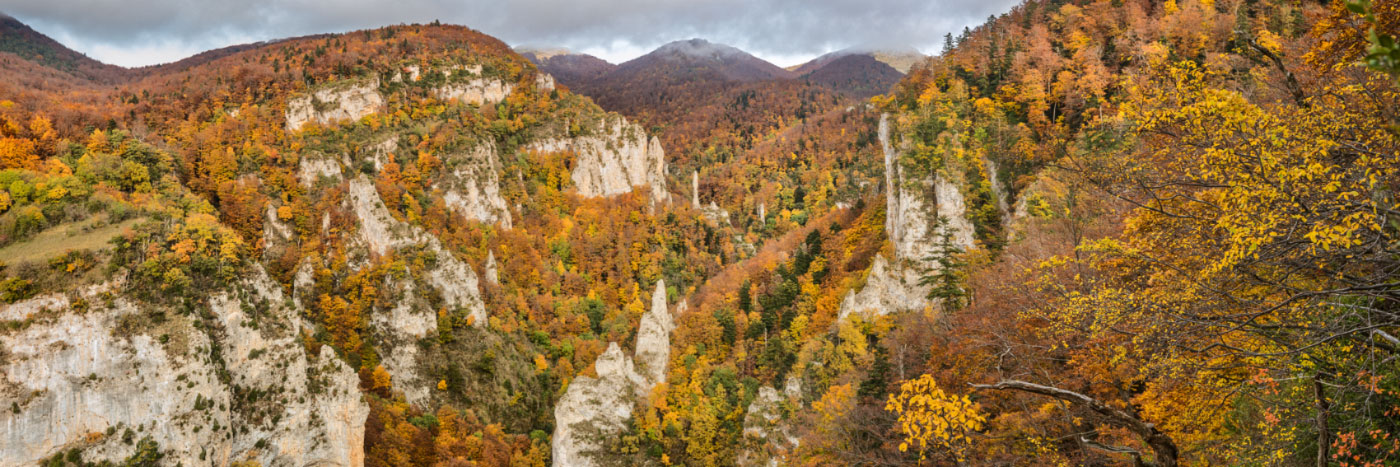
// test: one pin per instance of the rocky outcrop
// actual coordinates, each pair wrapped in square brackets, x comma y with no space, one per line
[400,330]
[544,82]
[715,214]
[412,319]
[314,168]
[473,188]
[492,275]
[950,206]
[594,410]
[478,91]
[614,159]
[275,232]
[654,338]
[906,218]
[341,101]
[379,153]
[912,221]
[378,229]
[453,278]
[768,438]
[82,379]
[888,289]
[909,221]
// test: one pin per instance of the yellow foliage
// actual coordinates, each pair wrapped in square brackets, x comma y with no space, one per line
[928,416]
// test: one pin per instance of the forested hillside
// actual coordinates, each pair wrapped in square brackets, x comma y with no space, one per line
[1091,232]
[1199,267]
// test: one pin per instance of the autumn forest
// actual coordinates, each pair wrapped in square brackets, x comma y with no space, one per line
[1084,232]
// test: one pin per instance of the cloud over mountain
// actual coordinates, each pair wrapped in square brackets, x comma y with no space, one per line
[140,32]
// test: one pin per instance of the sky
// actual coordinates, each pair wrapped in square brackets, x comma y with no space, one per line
[785,32]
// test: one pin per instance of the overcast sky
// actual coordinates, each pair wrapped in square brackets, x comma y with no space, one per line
[785,32]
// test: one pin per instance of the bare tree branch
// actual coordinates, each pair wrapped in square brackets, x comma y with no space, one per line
[1164,449]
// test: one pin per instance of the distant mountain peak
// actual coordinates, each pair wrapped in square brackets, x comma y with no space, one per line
[901,59]
[23,41]
[700,54]
[700,48]
[543,53]
[568,68]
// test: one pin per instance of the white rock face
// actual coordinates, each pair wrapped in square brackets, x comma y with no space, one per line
[479,91]
[594,410]
[73,378]
[654,338]
[378,228]
[544,82]
[616,158]
[274,230]
[492,275]
[887,290]
[695,189]
[411,320]
[912,226]
[911,220]
[311,169]
[951,206]
[715,214]
[333,104]
[380,152]
[906,219]
[767,438]
[457,283]
[453,278]
[401,328]
[474,189]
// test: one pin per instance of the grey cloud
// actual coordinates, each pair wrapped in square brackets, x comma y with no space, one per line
[785,28]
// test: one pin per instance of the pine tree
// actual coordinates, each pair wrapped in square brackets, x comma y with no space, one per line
[877,381]
[946,278]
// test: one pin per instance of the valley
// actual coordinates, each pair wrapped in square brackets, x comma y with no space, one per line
[1088,232]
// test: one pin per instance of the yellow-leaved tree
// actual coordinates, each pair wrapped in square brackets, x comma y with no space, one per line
[930,417]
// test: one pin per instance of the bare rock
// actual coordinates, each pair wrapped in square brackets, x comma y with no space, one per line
[617,157]
[473,189]
[72,378]
[340,101]
[654,338]
[492,275]
[593,410]
[479,91]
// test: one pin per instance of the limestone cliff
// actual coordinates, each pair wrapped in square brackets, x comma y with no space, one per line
[594,410]
[474,189]
[654,338]
[478,91]
[616,157]
[911,214]
[85,376]
[767,436]
[345,101]
[912,221]
[453,279]
[888,288]
[492,275]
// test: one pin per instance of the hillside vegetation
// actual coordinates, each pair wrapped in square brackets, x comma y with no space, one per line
[1091,232]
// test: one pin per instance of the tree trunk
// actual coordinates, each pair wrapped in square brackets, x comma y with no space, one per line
[1323,434]
[1163,448]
